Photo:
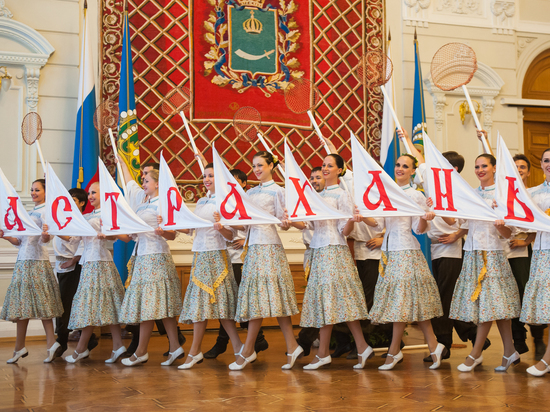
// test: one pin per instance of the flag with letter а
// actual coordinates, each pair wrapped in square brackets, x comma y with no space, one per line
[233,204]
[452,196]
[253,39]
[303,203]
[62,214]
[117,217]
[175,213]
[376,193]
[14,219]
[515,205]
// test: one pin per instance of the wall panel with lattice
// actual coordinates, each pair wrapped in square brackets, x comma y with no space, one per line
[169,40]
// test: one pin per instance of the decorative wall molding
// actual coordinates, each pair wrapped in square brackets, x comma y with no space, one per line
[4,11]
[463,7]
[523,42]
[415,12]
[503,16]
[32,75]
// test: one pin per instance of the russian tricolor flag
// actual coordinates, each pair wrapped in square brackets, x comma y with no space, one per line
[86,148]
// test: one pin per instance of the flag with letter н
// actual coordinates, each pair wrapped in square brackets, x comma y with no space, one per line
[303,203]
[62,214]
[175,213]
[515,205]
[233,204]
[452,196]
[376,193]
[14,219]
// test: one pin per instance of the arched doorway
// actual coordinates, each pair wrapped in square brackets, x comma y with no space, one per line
[536,120]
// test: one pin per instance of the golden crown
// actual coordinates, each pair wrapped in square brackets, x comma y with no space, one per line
[252,3]
[252,25]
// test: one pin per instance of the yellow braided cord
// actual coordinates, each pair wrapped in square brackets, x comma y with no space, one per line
[245,251]
[307,270]
[130,267]
[547,211]
[383,264]
[217,283]
[482,273]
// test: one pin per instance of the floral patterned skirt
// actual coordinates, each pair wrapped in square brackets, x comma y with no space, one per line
[536,299]
[334,293]
[267,288]
[154,292]
[406,290]
[33,292]
[212,290]
[498,296]
[99,296]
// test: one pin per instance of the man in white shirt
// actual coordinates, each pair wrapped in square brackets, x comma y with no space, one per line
[235,249]
[518,251]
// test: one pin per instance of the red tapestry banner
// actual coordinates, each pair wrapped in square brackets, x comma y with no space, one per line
[244,54]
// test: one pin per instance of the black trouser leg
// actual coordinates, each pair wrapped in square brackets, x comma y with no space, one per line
[520,269]
[68,285]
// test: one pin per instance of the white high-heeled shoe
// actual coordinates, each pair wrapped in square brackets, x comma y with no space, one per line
[297,352]
[236,367]
[396,359]
[194,359]
[512,359]
[439,352]
[83,355]
[465,368]
[23,353]
[139,359]
[52,352]
[116,354]
[532,370]
[172,356]
[363,357]
[327,360]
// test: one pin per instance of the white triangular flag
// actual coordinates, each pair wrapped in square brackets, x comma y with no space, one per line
[62,214]
[175,213]
[376,193]
[14,219]
[303,203]
[233,204]
[117,217]
[515,205]
[452,196]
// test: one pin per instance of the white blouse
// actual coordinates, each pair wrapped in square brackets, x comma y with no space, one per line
[64,251]
[269,197]
[208,238]
[364,233]
[95,250]
[235,254]
[134,195]
[444,250]
[32,247]
[398,229]
[483,235]
[541,196]
[148,243]
[329,232]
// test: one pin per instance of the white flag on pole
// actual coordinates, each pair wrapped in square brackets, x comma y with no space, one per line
[175,213]
[117,217]
[62,214]
[451,194]
[303,203]
[376,193]
[14,219]
[232,202]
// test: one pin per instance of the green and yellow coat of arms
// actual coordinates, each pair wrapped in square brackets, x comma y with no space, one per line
[252,45]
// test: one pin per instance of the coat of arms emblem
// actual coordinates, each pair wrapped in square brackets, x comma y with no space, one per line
[252,44]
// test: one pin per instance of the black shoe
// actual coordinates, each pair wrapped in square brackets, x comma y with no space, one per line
[306,346]
[260,344]
[353,353]
[521,346]
[486,344]
[340,350]
[181,338]
[132,347]
[93,342]
[59,351]
[219,348]
[446,356]
[540,349]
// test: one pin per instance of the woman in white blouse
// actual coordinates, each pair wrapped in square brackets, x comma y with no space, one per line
[212,290]
[154,291]
[535,309]
[334,292]
[406,290]
[486,289]
[33,292]
[267,288]
[100,291]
